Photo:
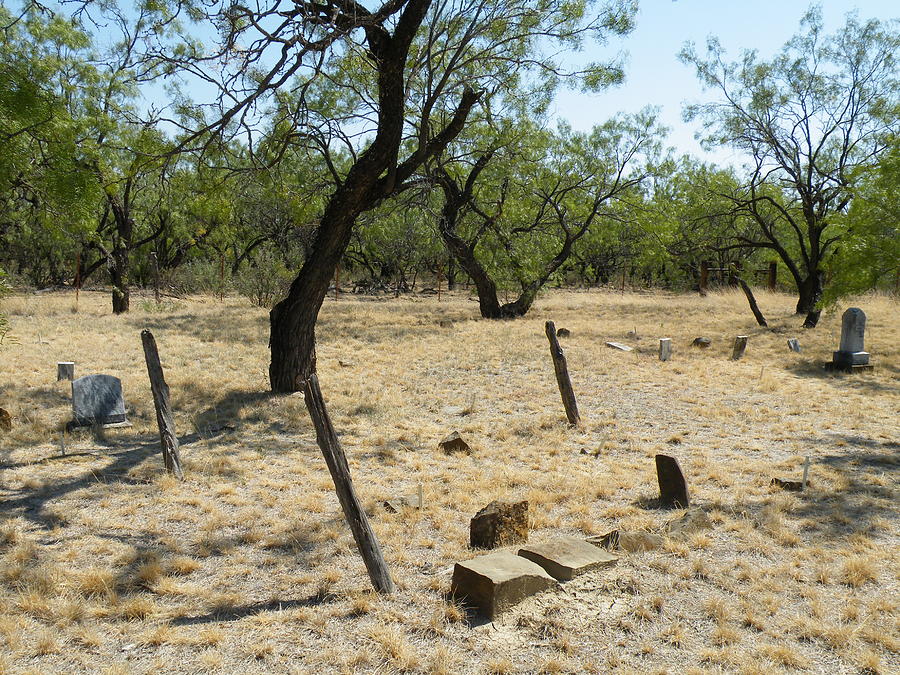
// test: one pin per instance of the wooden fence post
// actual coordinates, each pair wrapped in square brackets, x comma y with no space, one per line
[167,438]
[366,541]
[562,375]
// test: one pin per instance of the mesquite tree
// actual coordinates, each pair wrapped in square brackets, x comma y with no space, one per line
[810,119]
[375,90]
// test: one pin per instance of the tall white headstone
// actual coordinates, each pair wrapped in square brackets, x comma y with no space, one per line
[665,349]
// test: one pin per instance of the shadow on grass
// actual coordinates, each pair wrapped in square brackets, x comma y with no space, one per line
[863,382]
[32,504]
[237,612]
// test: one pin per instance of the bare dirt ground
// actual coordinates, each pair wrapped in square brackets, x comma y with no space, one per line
[107,565]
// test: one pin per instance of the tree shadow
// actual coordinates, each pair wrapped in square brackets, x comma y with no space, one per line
[855,381]
[238,612]
[32,504]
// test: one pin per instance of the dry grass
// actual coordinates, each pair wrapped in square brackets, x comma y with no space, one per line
[109,565]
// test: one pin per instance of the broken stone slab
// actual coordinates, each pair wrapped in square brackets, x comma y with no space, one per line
[397,504]
[632,542]
[673,489]
[499,524]
[692,520]
[701,342]
[566,557]
[454,443]
[789,485]
[495,582]
[619,346]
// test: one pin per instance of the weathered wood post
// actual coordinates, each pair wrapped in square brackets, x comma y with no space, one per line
[773,275]
[562,375]
[366,541]
[65,370]
[740,345]
[665,349]
[167,438]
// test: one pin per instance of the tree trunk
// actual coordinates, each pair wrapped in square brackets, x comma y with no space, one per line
[810,293]
[760,319]
[120,259]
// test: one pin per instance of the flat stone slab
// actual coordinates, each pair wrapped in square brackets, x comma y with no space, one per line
[619,346]
[566,557]
[495,582]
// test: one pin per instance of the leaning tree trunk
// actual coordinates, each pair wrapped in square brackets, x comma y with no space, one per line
[120,260]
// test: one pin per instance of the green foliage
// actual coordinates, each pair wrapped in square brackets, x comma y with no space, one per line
[266,280]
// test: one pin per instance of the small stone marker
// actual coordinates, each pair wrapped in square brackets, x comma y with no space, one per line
[98,400]
[701,342]
[851,355]
[5,420]
[65,370]
[794,345]
[495,582]
[632,542]
[673,489]
[499,524]
[619,346]
[692,520]
[566,557]
[665,349]
[454,443]
[740,346]
[563,332]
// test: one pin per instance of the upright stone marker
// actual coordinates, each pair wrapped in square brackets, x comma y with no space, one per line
[673,489]
[665,349]
[852,351]
[65,370]
[794,345]
[97,400]
[740,346]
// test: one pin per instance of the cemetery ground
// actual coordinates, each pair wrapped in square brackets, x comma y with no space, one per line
[107,564]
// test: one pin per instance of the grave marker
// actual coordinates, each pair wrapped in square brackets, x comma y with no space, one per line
[852,354]
[673,489]
[794,345]
[740,346]
[665,349]
[97,401]
[65,370]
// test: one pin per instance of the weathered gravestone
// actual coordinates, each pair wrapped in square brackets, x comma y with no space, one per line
[65,370]
[673,489]
[665,349]
[97,401]
[852,354]
[495,582]
[794,345]
[740,346]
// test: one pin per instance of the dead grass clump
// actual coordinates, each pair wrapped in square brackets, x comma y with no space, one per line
[858,570]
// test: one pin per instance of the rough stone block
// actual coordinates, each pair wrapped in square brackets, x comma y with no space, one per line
[673,489]
[455,443]
[566,557]
[499,524]
[495,582]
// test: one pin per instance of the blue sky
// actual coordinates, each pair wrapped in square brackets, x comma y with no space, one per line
[655,76]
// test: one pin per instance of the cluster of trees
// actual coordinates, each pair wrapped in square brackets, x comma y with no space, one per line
[410,139]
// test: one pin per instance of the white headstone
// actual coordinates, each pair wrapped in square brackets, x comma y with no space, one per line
[665,349]
[794,345]
[97,400]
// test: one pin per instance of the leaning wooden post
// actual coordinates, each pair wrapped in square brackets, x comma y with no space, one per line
[167,438]
[562,375]
[757,314]
[366,541]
